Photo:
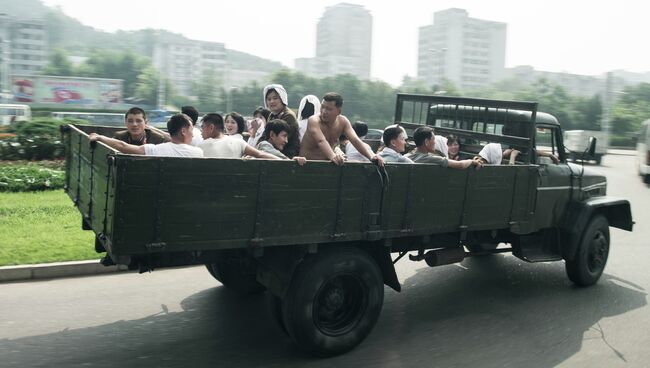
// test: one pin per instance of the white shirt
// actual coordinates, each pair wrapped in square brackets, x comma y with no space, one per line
[171,149]
[390,155]
[224,147]
[354,155]
[196,136]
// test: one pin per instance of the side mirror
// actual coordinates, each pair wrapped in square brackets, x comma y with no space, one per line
[591,151]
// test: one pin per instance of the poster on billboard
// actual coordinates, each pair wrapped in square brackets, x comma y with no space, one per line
[88,92]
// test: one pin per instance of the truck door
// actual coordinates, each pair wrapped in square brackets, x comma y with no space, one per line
[554,182]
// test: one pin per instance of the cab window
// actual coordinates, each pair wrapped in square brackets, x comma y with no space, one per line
[546,141]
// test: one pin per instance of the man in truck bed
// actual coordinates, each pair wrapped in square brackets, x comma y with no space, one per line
[180,129]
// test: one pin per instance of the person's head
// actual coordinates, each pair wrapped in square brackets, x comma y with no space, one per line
[275,98]
[511,129]
[360,128]
[330,107]
[191,112]
[307,111]
[425,138]
[453,145]
[262,113]
[395,137]
[211,125]
[234,124]
[180,127]
[135,120]
[276,132]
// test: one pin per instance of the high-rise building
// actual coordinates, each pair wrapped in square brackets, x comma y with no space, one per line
[186,62]
[24,44]
[343,43]
[466,51]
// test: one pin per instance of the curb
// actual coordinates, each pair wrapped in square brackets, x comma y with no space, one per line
[55,270]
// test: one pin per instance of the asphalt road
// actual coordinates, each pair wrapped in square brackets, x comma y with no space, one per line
[492,311]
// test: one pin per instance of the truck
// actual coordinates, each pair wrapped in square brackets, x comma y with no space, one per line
[576,144]
[323,240]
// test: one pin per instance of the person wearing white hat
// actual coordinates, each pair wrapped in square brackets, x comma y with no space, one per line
[276,100]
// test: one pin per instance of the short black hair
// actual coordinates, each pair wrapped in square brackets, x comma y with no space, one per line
[178,122]
[391,133]
[214,119]
[241,124]
[276,126]
[192,112]
[333,96]
[263,111]
[135,111]
[421,134]
[451,139]
[360,128]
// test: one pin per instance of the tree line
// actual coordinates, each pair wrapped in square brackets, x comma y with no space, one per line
[366,100]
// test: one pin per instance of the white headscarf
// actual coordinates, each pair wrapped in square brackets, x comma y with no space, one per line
[302,124]
[280,90]
[492,153]
[441,145]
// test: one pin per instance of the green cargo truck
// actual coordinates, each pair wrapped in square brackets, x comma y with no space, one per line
[323,239]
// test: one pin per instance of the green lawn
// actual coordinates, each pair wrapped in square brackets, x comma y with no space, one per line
[41,227]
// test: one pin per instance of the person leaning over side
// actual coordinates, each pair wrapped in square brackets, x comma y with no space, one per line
[217,144]
[274,138]
[324,130]
[277,100]
[425,143]
[180,130]
[395,141]
[137,130]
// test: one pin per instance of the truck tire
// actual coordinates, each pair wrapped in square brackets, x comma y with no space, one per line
[591,255]
[236,274]
[333,301]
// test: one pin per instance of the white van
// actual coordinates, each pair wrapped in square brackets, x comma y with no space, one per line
[10,113]
[643,151]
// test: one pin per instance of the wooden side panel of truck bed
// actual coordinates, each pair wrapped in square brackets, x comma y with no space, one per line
[151,204]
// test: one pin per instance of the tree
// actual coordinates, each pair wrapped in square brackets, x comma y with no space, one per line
[631,110]
[58,64]
[209,95]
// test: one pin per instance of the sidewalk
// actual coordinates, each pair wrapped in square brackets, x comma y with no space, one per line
[54,270]
[621,151]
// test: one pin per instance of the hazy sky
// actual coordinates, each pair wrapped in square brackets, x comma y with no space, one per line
[576,36]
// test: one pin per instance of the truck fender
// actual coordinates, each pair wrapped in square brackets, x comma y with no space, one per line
[616,211]
[381,255]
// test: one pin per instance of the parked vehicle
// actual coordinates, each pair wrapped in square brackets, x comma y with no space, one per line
[10,113]
[96,118]
[577,143]
[320,237]
[643,151]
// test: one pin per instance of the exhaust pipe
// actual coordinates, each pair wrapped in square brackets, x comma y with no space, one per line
[444,256]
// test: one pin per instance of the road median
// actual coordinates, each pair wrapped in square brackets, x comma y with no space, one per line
[55,270]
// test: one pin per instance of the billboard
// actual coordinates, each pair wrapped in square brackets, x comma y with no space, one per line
[87,92]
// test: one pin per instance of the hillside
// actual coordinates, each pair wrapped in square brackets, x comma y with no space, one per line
[71,35]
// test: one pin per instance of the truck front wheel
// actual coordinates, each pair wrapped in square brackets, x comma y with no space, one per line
[591,256]
[334,300]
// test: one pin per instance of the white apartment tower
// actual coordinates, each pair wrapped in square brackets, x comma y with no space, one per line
[466,51]
[343,43]
[186,62]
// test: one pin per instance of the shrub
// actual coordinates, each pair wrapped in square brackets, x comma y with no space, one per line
[38,139]
[29,177]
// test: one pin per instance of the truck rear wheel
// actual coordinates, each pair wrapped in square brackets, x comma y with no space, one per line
[591,256]
[333,301]
[237,274]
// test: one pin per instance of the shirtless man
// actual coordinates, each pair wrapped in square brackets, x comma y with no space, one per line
[324,130]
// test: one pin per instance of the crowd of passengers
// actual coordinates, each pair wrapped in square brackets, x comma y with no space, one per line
[319,132]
